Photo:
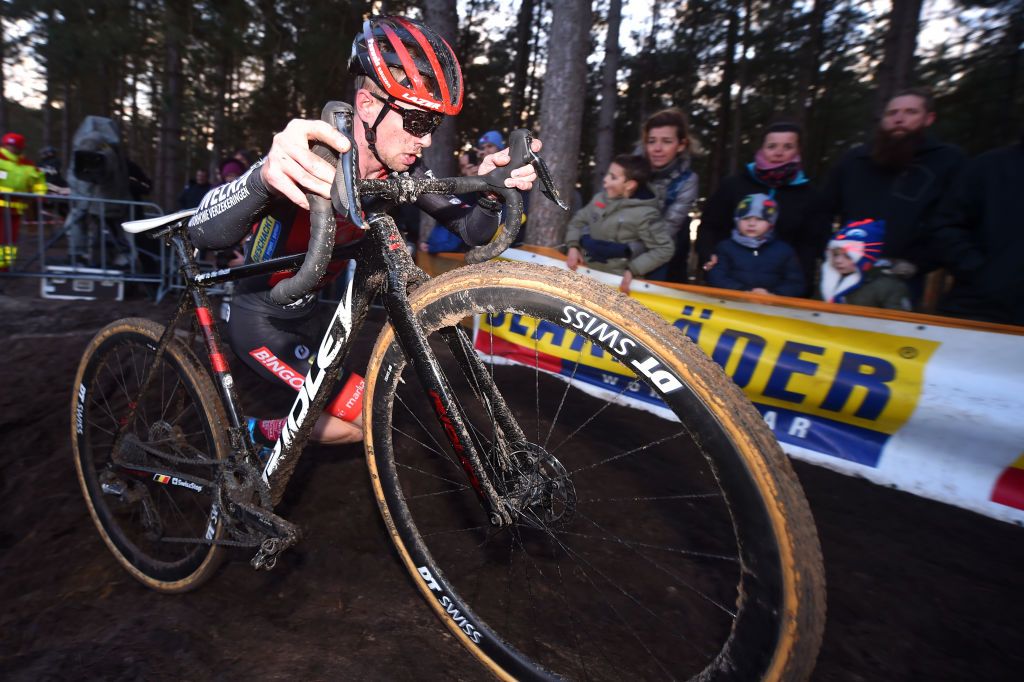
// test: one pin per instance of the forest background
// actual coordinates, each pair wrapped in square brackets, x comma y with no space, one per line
[193,80]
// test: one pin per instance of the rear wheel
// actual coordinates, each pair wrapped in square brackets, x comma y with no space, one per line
[158,526]
[669,545]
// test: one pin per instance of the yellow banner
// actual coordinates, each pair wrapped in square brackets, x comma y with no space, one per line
[865,379]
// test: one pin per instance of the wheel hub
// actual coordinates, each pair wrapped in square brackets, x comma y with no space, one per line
[538,489]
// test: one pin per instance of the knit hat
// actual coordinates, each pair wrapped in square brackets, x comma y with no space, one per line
[231,167]
[757,205]
[862,242]
[15,140]
[491,137]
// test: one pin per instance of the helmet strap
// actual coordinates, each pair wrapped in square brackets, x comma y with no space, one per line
[370,133]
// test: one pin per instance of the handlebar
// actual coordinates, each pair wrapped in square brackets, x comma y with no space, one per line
[322,223]
[401,188]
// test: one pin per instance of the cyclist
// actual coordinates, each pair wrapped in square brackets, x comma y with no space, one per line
[407,80]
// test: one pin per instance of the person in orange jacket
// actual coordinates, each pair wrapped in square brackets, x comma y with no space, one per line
[17,174]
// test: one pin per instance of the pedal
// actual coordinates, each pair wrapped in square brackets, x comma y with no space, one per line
[278,533]
[116,488]
[266,557]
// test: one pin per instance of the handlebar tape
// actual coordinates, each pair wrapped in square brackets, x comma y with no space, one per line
[322,224]
[520,154]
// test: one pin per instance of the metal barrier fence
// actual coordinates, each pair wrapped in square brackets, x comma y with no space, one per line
[79,240]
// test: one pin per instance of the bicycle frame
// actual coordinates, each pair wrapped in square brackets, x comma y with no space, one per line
[382,264]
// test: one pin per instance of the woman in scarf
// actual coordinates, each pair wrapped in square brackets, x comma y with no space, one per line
[776,171]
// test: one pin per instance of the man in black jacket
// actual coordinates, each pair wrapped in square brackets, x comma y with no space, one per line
[899,178]
[978,235]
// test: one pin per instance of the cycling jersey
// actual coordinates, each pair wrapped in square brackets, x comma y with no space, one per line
[274,340]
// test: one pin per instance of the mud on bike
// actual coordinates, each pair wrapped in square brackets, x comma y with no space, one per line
[554,530]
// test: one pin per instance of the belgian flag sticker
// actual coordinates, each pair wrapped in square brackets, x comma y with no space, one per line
[1009,488]
[161,478]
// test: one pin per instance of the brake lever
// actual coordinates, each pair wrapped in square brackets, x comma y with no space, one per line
[521,153]
[344,195]
[549,190]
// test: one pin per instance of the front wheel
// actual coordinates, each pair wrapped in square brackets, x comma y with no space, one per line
[145,458]
[671,541]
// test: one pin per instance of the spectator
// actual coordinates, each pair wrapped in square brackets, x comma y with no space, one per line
[753,260]
[50,164]
[621,230]
[243,157]
[17,174]
[667,144]
[853,272]
[195,190]
[776,171]
[490,142]
[469,163]
[899,178]
[977,236]
[231,170]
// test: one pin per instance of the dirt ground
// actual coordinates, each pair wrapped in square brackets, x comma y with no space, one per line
[916,590]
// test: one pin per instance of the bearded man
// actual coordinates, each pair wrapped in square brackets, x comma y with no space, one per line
[900,178]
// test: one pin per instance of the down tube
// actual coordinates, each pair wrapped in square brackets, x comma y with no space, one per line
[313,394]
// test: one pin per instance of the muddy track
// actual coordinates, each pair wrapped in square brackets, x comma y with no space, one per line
[917,590]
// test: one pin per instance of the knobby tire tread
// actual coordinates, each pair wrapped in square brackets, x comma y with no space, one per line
[791,519]
[192,371]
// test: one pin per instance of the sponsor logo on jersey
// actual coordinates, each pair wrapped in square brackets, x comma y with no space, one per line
[277,367]
[265,241]
[302,352]
[222,198]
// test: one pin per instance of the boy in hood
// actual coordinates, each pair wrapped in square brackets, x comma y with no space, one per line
[752,259]
[621,230]
[854,273]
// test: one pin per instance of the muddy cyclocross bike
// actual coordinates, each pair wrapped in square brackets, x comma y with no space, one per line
[556,532]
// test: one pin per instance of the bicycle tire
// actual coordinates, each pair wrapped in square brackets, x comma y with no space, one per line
[538,601]
[142,517]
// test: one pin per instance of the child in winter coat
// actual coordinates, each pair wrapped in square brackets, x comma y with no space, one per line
[853,273]
[621,230]
[753,260]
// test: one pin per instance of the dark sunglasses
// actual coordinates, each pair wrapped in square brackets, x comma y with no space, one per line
[416,122]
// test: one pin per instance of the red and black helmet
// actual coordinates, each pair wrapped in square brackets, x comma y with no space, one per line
[433,77]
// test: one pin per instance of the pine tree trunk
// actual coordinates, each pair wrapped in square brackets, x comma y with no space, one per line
[648,57]
[443,17]
[561,116]
[609,95]
[533,102]
[810,62]
[897,65]
[169,171]
[725,98]
[220,109]
[1012,41]
[741,80]
[524,22]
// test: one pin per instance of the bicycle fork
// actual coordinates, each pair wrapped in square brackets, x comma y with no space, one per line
[449,413]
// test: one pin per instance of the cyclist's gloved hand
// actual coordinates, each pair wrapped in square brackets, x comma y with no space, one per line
[602,250]
[292,169]
[522,177]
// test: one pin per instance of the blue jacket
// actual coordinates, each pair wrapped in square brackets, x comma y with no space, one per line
[773,266]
